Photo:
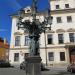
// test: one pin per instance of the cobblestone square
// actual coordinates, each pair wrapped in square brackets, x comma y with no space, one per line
[17,71]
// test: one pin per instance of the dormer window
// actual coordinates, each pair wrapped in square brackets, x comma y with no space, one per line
[28,10]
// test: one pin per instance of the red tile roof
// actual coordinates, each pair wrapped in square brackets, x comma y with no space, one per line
[4,45]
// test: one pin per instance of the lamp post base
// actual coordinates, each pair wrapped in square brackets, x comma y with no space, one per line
[33,65]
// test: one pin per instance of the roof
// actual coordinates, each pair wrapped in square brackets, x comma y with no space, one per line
[1,40]
[2,45]
[45,11]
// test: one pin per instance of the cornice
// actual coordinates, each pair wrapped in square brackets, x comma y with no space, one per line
[60,11]
[50,31]
[62,46]
[18,33]
[53,47]
[71,30]
[60,30]
[19,48]
[67,45]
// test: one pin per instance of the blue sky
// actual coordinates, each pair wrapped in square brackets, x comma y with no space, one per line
[8,7]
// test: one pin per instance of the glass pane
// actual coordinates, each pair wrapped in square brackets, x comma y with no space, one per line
[60,38]
[50,39]
[71,37]
[62,56]
[16,56]
[27,40]
[17,41]
[69,19]
[67,5]
[57,6]
[59,20]
[51,56]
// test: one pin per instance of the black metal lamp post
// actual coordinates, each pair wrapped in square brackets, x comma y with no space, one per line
[34,28]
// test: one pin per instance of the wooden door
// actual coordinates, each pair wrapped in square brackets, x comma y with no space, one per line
[72,56]
[72,59]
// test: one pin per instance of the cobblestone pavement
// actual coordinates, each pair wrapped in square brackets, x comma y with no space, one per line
[11,71]
[57,71]
[17,71]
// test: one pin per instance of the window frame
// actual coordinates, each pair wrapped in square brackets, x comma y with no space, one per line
[59,19]
[51,56]
[66,5]
[27,40]
[17,40]
[50,40]
[69,19]
[57,6]
[16,57]
[26,55]
[61,38]
[72,37]
[62,56]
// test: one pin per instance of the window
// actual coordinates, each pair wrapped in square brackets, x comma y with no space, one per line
[17,41]
[16,56]
[28,10]
[67,5]
[60,38]
[59,20]
[57,6]
[72,37]
[51,56]
[62,56]
[50,39]
[27,40]
[69,19]
[26,55]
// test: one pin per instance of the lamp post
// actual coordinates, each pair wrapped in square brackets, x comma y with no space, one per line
[34,28]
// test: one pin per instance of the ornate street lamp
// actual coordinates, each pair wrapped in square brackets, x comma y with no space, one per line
[34,28]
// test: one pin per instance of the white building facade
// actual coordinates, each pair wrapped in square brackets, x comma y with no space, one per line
[57,46]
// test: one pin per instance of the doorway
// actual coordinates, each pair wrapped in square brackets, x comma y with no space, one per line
[72,55]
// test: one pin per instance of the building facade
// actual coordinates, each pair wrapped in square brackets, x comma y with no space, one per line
[4,50]
[57,46]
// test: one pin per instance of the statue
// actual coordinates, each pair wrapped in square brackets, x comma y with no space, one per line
[34,34]
[34,45]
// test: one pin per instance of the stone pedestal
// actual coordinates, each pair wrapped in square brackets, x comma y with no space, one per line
[33,65]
